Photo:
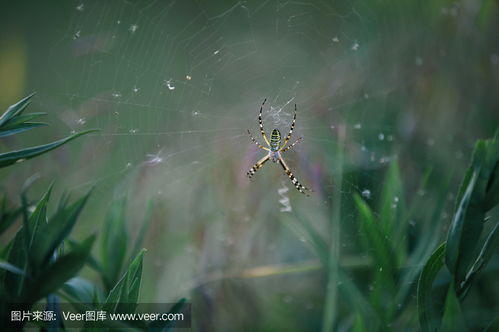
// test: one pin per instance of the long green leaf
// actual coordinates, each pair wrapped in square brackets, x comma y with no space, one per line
[55,275]
[21,128]
[11,268]
[114,241]
[391,199]
[378,245]
[487,251]
[453,319]
[19,119]
[50,235]
[9,158]
[427,317]
[39,215]
[143,229]
[476,196]
[80,289]
[167,326]
[454,237]
[7,215]
[15,109]
[124,295]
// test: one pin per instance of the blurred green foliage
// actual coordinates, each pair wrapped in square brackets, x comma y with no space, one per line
[35,264]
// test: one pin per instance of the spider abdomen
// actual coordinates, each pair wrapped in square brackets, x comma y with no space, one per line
[275,140]
[274,156]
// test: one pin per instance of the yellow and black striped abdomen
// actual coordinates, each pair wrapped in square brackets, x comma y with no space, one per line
[275,140]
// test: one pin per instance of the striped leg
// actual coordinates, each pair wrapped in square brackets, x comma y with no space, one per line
[256,142]
[290,131]
[261,123]
[257,166]
[289,147]
[297,184]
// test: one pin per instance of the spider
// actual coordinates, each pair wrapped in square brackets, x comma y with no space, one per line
[275,149]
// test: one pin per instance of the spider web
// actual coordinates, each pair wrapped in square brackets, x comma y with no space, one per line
[174,86]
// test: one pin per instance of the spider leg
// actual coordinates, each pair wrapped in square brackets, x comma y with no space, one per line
[257,166]
[256,142]
[289,147]
[301,188]
[290,131]
[261,123]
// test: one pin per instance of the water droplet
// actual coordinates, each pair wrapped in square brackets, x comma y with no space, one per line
[187,77]
[154,159]
[381,269]
[302,239]
[358,125]
[116,95]
[80,7]
[81,121]
[366,193]
[412,223]
[169,84]
[133,28]
[76,35]
[128,165]
[336,39]
[135,89]
[381,136]
[195,113]
[133,131]
[396,199]
[216,52]
[355,46]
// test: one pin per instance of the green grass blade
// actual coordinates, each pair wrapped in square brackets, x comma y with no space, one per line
[143,229]
[476,196]
[7,215]
[167,326]
[391,196]
[332,267]
[427,317]
[55,275]
[114,242]
[378,245]
[39,215]
[50,235]
[21,128]
[124,295]
[487,251]
[453,319]
[19,119]
[80,289]
[9,158]
[11,268]
[15,109]
[454,238]
[493,326]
